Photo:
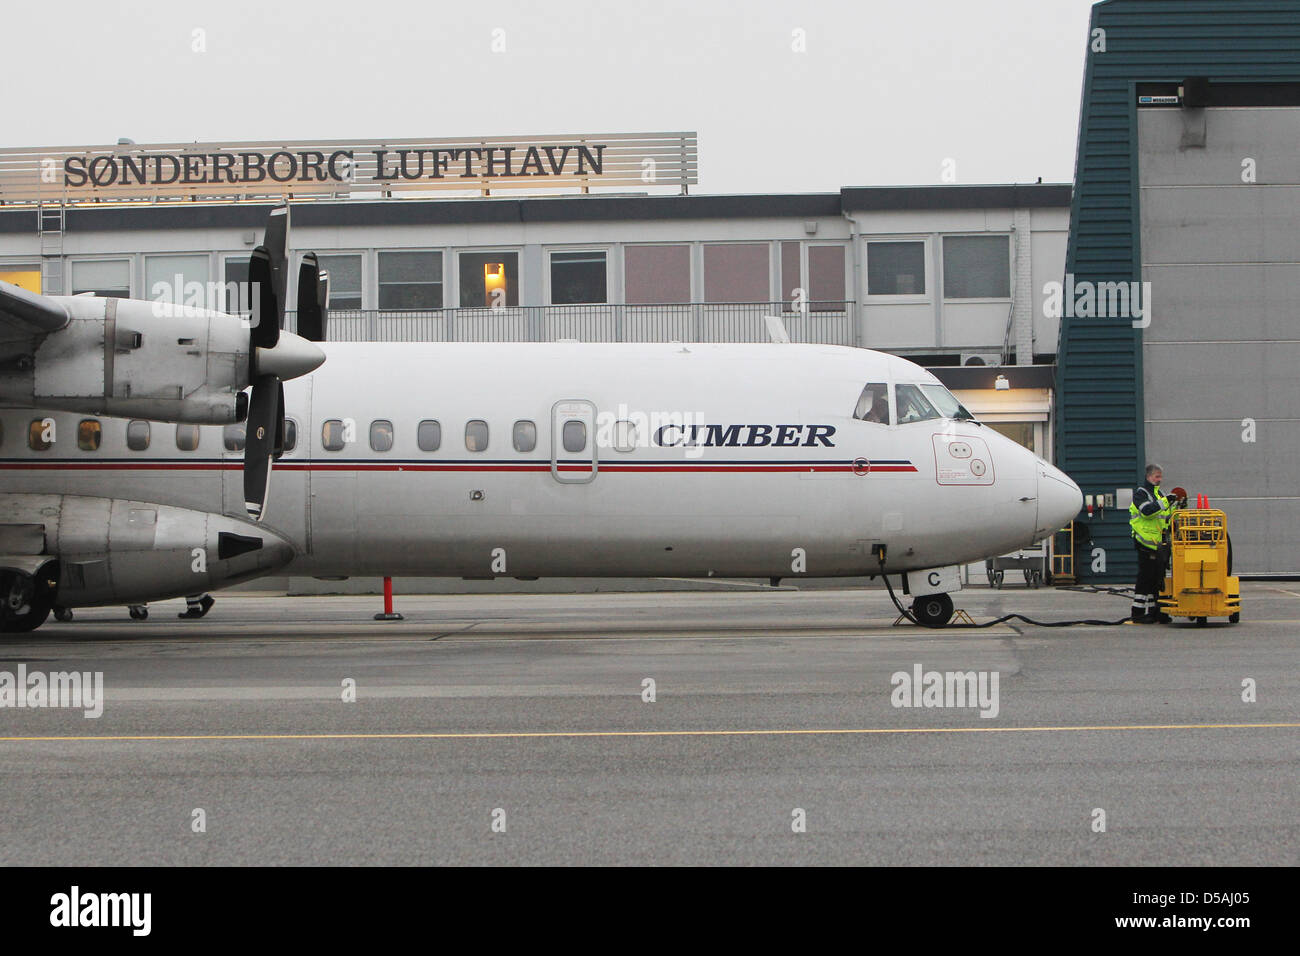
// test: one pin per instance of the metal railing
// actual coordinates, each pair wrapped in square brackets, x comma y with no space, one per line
[827,323]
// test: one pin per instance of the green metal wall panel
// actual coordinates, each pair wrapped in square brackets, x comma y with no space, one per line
[1099,411]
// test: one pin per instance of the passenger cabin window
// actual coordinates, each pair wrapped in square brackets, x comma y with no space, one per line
[187,437]
[525,436]
[429,435]
[381,435]
[912,406]
[89,434]
[873,404]
[332,435]
[574,436]
[137,435]
[476,435]
[233,437]
[40,434]
[290,434]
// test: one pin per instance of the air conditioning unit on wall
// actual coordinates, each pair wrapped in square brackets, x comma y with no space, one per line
[981,358]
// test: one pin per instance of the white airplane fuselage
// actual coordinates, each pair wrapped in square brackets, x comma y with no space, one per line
[689,460]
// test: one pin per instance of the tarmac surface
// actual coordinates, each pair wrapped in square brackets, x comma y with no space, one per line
[773,736]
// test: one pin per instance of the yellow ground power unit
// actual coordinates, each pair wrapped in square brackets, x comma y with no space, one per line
[1198,585]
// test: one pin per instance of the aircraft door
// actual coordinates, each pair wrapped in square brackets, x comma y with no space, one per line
[573,441]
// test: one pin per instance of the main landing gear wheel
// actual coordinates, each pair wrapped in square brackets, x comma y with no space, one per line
[138,612]
[24,602]
[932,610]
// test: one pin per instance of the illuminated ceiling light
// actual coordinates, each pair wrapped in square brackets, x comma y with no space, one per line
[494,278]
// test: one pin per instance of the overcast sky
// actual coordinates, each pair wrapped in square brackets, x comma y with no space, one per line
[883,92]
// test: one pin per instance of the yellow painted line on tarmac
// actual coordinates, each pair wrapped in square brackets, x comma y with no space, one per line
[523,735]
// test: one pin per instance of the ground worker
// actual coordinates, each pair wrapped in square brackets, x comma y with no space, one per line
[1149,516]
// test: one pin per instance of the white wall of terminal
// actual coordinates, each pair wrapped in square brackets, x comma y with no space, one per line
[917,323]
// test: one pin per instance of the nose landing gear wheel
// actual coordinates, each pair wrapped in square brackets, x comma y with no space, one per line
[932,610]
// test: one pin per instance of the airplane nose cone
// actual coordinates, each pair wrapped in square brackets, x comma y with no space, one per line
[291,356]
[1059,499]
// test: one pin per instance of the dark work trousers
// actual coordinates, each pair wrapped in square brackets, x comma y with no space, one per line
[1150,578]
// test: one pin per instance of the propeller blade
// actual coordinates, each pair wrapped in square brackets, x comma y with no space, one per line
[279,425]
[264,411]
[313,299]
[276,242]
[266,323]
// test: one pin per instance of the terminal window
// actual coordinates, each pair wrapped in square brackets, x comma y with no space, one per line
[578,277]
[409,280]
[826,276]
[24,276]
[181,280]
[105,277]
[489,279]
[976,267]
[896,268]
[657,275]
[736,272]
[345,281]
[236,286]
[823,288]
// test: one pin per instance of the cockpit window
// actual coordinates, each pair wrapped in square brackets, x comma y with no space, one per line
[946,403]
[912,406]
[873,403]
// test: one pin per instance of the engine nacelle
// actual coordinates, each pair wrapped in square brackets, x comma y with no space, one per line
[116,551]
[134,359]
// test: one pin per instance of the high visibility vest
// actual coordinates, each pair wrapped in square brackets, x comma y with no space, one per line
[1149,530]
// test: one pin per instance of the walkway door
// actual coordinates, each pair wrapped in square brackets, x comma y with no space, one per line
[573,441]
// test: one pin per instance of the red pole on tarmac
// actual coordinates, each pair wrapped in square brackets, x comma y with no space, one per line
[389,614]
